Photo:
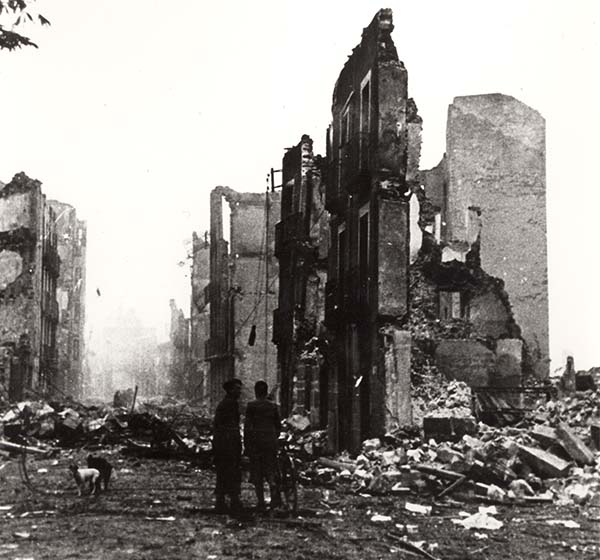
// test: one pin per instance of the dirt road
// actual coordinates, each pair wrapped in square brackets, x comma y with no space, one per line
[161,510]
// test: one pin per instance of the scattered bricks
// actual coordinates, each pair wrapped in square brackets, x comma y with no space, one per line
[545,435]
[574,446]
[544,463]
[595,435]
[448,455]
[299,422]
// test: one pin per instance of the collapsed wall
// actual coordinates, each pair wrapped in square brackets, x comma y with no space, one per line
[479,299]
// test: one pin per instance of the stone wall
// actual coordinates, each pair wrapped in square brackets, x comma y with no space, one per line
[496,167]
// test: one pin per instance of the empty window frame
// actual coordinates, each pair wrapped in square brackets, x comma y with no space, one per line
[450,305]
[365,121]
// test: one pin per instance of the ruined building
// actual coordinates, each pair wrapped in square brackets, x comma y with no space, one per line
[179,336]
[479,304]
[439,270]
[199,318]
[242,293]
[71,242]
[301,246]
[29,270]
[372,156]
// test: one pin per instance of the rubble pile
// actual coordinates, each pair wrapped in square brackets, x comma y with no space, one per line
[578,410]
[303,442]
[551,455]
[154,428]
[441,399]
[443,409]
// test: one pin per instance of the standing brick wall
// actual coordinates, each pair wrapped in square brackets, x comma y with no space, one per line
[496,166]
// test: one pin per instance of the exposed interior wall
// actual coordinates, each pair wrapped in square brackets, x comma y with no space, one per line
[496,158]
[478,294]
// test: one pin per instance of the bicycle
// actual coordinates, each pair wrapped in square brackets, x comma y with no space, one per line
[287,475]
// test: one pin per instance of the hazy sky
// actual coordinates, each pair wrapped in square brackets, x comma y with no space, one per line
[133,111]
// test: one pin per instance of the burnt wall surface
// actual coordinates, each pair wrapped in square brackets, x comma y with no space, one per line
[301,246]
[373,151]
[496,193]
[392,258]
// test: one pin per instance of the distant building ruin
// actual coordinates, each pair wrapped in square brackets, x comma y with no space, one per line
[243,288]
[29,270]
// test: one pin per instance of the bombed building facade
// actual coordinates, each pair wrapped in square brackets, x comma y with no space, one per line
[301,246]
[243,288]
[443,268]
[29,271]
[70,294]
[367,288]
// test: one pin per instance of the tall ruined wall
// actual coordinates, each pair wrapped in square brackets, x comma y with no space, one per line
[496,186]
[237,291]
[255,287]
[301,246]
[21,230]
[199,316]
[373,150]
[71,245]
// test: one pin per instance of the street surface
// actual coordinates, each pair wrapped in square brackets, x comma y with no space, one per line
[161,509]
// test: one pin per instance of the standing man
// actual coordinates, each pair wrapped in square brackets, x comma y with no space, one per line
[261,432]
[227,448]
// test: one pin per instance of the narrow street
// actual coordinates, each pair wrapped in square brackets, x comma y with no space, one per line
[161,509]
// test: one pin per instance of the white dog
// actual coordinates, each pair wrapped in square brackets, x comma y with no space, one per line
[84,477]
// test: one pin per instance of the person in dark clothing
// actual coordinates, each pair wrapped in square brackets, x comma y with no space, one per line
[261,433]
[227,447]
